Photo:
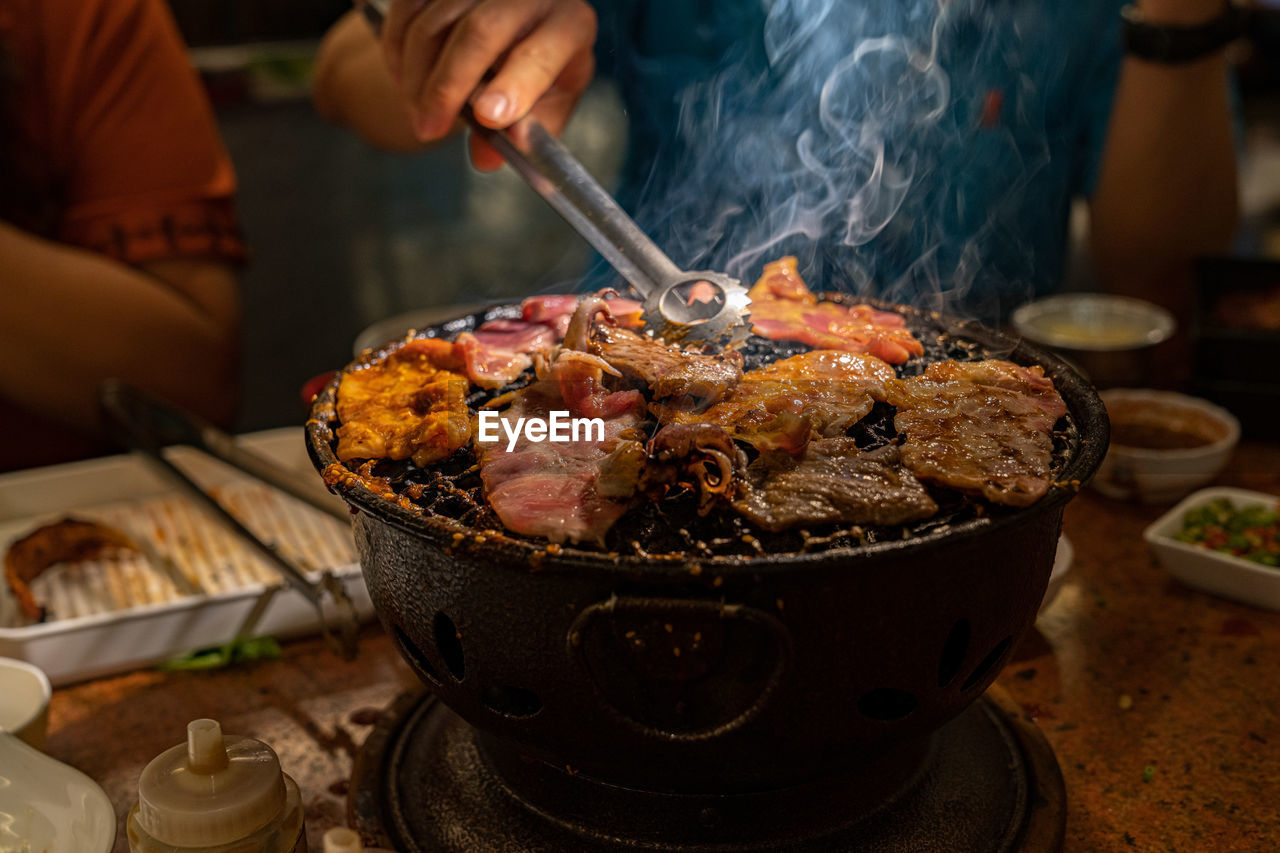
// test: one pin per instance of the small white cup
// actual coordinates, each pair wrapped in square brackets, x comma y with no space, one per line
[24,701]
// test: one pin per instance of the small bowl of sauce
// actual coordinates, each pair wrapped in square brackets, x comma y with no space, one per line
[1164,445]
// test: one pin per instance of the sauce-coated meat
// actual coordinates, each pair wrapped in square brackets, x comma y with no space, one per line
[405,407]
[833,483]
[827,389]
[664,369]
[984,428]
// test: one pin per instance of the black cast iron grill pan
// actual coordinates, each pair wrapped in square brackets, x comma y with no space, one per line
[682,670]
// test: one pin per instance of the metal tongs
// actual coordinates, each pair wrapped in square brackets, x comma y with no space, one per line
[148,424]
[705,308]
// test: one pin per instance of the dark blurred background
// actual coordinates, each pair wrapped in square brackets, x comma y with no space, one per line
[344,237]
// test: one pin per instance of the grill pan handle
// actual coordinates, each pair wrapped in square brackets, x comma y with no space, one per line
[680,669]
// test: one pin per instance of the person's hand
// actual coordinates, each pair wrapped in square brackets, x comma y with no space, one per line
[441,51]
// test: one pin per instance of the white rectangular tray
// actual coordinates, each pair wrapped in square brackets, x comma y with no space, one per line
[1213,571]
[199,586]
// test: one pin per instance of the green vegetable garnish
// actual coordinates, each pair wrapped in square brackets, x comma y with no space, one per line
[237,651]
[1249,532]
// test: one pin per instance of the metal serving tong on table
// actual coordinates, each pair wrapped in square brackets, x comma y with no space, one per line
[691,307]
[148,425]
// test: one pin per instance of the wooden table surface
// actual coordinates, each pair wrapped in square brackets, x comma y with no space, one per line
[1161,703]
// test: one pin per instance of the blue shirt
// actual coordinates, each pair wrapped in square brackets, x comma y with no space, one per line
[916,151]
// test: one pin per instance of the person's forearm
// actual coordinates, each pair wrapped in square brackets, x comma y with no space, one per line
[1167,188]
[72,318]
[352,87]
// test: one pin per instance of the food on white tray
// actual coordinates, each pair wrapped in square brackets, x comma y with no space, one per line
[67,540]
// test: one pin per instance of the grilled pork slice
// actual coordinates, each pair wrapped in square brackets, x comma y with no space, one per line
[833,483]
[1029,381]
[405,407]
[784,309]
[500,350]
[555,310]
[694,380]
[983,428]
[68,540]
[551,489]
[777,406]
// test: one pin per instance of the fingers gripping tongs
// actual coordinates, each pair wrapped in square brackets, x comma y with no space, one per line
[705,308]
[148,425]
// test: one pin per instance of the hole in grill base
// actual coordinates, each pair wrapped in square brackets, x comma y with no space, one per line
[953,652]
[449,644]
[511,701]
[887,703]
[992,658]
[411,653]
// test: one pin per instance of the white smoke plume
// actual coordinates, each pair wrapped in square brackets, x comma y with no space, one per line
[840,139]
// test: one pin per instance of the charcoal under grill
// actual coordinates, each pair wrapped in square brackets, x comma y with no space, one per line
[805,698]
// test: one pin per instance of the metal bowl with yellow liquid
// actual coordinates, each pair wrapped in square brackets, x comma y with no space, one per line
[1109,338]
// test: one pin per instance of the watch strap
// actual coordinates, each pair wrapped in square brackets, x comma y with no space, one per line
[1179,44]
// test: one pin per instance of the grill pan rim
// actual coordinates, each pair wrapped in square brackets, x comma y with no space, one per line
[1084,405]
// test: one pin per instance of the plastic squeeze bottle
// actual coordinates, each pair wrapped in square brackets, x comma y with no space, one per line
[216,794]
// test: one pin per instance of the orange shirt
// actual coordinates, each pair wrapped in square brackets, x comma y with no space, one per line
[120,150]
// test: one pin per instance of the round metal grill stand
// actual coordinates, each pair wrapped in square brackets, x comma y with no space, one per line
[426,782]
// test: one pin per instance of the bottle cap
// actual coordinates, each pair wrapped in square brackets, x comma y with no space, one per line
[212,790]
[339,839]
[342,840]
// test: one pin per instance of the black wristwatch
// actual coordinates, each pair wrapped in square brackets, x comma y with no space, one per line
[1173,44]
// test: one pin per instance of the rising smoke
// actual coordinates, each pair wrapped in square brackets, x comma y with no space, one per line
[892,145]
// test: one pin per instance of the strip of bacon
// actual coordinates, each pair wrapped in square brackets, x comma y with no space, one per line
[983,428]
[554,310]
[784,309]
[548,308]
[517,335]
[500,350]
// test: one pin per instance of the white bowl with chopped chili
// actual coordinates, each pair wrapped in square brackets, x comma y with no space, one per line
[1224,541]
[1163,444]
